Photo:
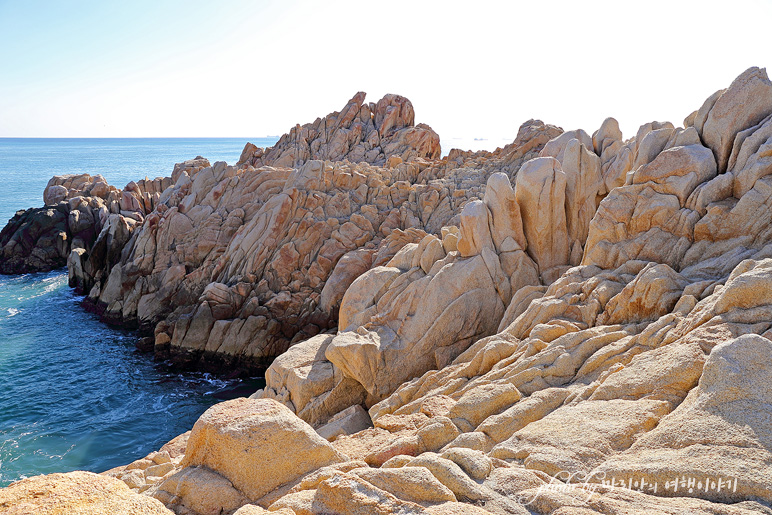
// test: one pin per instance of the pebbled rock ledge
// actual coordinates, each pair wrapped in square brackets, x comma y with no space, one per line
[573,323]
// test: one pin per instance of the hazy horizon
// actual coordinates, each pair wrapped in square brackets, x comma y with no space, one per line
[181,69]
[446,144]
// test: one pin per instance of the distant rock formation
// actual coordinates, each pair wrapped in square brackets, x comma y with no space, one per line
[77,210]
[370,133]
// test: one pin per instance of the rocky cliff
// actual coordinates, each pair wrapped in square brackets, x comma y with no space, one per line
[574,323]
[232,264]
[77,209]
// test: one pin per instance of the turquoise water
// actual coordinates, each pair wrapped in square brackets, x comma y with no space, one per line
[74,393]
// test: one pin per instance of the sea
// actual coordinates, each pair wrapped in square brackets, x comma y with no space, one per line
[75,394]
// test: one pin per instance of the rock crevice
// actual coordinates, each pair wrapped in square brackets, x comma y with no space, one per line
[568,324]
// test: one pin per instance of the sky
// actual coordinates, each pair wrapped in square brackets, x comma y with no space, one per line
[233,68]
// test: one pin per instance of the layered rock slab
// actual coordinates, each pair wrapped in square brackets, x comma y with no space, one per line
[720,437]
[76,492]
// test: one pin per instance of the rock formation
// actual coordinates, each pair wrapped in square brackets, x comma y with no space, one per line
[80,212]
[76,492]
[570,324]
[235,263]
[360,132]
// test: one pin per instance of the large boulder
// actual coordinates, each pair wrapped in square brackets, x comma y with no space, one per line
[199,489]
[310,385]
[257,444]
[746,102]
[441,314]
[584,185]
[541,192]
[556,147]
[78,492]
[677,171]
[505,218]
[721,436]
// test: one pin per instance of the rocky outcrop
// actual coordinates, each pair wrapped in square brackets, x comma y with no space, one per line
[35,240]
[76,492]
[620,371]
[721,421]
[360,132]
[746,102]
[235,263]
[242,450]
[81,212]
[226,266]
[437,297]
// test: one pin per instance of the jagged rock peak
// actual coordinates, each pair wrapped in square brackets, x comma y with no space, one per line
[369,132]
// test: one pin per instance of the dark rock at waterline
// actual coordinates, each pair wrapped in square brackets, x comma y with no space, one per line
[85,225]
[40,239]
[229,367]
[145,344]
[35,240]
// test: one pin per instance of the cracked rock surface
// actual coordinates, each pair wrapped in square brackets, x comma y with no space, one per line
[572,324]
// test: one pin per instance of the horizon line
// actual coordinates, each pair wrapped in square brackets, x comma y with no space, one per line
[467,138]
[136,137]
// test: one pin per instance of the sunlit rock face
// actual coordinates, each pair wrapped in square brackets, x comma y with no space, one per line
[235,263]
[634,367]
[570,324]
[360,132]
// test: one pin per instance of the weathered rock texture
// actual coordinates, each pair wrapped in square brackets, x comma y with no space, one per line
[369,132]
[632,370]
[76,492]
[234,263]
[572,324]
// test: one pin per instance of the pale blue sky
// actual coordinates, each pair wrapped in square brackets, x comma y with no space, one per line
[472,69]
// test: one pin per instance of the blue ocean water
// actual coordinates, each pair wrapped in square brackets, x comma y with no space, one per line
[74,393]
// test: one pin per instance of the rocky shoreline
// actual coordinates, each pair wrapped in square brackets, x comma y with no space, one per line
[573,323]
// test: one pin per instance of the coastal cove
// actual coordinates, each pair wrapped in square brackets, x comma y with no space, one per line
[458,274]
[74,392]
[572,323]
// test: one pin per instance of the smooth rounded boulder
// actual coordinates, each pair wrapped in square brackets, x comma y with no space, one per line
[84,493]
[257,444]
